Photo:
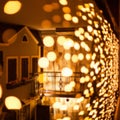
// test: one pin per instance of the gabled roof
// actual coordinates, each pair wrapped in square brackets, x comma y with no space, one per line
[4,26]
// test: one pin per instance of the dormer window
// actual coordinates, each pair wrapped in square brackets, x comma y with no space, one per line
[25,38]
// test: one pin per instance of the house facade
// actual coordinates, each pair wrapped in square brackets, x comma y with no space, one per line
[19,60]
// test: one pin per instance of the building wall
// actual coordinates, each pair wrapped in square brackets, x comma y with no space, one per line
[18,48]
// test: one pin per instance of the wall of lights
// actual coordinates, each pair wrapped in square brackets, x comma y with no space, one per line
[84,63]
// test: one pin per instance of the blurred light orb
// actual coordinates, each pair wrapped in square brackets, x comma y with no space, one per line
[7,34]
[51,56]
[68,88]
[12,103]
[66,10]
[61,40]
[68,44]
[67,17]
[56,105]
[63,2]
[43,62]
[67,72]
[48,41]
[12,7]
[67,56]
[1,92]
[48,8]
[75,19]
[80,56]
[76,46]
[74,58]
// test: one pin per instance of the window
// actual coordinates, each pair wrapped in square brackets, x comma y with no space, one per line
[1,58]
[34,64]
[12,69]
[25,38]
[24,68]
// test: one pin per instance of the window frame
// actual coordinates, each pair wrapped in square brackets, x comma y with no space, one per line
[8,58]
[22,57]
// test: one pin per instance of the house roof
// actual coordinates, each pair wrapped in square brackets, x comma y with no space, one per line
[5,26]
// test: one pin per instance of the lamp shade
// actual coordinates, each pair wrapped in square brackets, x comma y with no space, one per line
[12,103]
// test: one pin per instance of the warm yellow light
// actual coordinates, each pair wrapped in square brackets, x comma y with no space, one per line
[74,58]
[81,113]
[66,118]
[12,103]
[67,56]
[75,19]
[76,46]
[84,17]
[88,56]
[90,22]
[48,41]
[67,17]
[85,46]
[76,107]
[72,84]
[61,40]
[89,85]
[68,44]
[1,91]
[68,88]
[56,105]
[63,2]
[12,7]
[82,80]
[66,72]
[56,18]
[80,56]
[43,62]
[84,70]
[81,30]
[63,107]
[87,78]
[66,10]
[51,56]
[81,99]
[89,28]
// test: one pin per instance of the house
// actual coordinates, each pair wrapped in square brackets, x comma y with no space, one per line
[18,58]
